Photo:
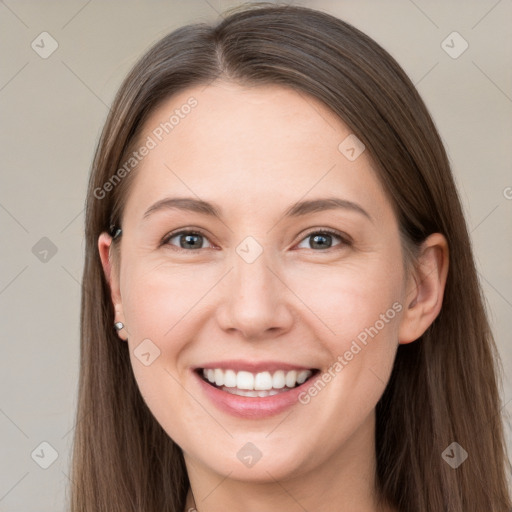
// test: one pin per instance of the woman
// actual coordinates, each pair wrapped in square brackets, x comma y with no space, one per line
[323,345]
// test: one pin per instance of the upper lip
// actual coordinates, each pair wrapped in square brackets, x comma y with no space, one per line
[253,366]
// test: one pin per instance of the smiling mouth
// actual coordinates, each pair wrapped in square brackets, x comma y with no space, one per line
[256,385]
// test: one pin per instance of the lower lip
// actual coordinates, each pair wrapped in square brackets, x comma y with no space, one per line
[253,407]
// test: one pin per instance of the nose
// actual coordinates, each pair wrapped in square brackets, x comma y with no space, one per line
[255,300]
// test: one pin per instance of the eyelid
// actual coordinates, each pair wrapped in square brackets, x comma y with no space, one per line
[183,231]
[346,240]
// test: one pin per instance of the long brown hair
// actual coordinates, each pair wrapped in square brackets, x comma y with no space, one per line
[443,387]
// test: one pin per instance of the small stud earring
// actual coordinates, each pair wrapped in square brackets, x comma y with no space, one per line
[118,325]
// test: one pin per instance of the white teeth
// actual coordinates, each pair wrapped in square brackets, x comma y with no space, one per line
[219,377]
[278,380]
[230,379]
[263,381]
[254,394]
[260,384]
[244,380]
[302,376]
[291,378]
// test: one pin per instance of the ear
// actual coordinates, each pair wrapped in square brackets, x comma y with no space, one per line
[112,276]
[425,288]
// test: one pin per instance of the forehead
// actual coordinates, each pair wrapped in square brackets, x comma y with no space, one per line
[244,120]
[261,143]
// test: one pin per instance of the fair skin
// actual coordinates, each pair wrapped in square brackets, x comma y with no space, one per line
[255,152]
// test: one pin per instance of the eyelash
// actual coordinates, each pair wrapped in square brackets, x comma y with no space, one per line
[345,239]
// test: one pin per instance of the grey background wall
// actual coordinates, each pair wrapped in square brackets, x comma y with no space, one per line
[53,102]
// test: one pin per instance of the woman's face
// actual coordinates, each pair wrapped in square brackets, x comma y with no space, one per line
[259,294]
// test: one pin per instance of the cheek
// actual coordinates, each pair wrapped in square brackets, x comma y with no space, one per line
[155,308]
[351,298]
[358,310]
[159,300]
[340,300]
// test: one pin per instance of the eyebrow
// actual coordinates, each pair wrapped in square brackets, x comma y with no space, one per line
[296,210]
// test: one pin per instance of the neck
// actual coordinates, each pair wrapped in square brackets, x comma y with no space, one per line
[345,481]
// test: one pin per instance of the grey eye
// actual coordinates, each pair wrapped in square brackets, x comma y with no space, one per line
[321,240]
[188,240]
